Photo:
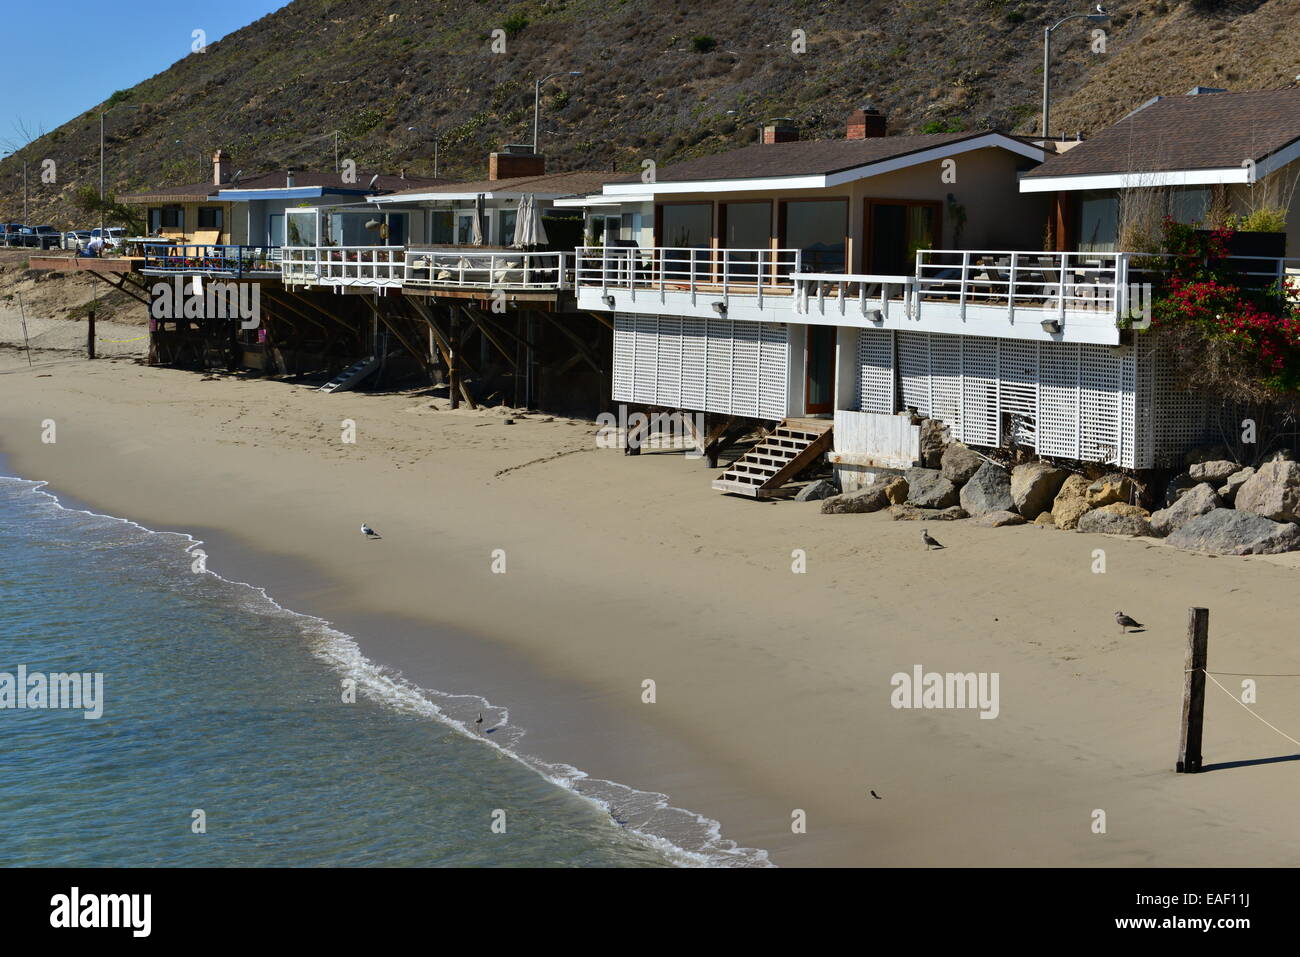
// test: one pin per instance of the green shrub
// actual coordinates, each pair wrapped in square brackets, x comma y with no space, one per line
[703,44]
[1270,219]
[514,23]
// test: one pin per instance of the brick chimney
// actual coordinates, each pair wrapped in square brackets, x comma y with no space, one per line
[220,168]
[780,130]
[515,160]
[866,122]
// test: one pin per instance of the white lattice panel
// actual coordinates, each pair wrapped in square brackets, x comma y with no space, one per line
[644,387]
[1100,413]
[945,380]
[1018,389]
[694,363]
[624,357]
[669,370]
[914,370]
[744,368]
[980,408]
[718,384]
[876,387]
[1058,399]
[773,370]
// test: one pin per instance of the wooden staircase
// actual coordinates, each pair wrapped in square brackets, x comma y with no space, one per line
[351,376]
[790,449]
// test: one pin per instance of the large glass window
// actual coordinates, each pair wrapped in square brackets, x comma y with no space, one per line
[1098,222]
[366,228]
[817,228]
[441,227]
[506,226]
[1190,204]
[748,227]
[686,225]
[301,227]
[275,229]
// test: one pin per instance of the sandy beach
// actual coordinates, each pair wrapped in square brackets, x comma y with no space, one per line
[773,688]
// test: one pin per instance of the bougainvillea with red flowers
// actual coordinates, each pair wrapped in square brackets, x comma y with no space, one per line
[1227,334]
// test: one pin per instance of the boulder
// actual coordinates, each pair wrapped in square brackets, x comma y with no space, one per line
[998,518]
[927,488]
[988,490]
[1071,502]
[1114,487]
[934,439]
[959,463]
[1281,455]
[1117,518]
[1273,492]
[1234,483]
[1177,487]
[1227,531]
[869,499]
[896,490]
[1196,501]
[910,513]
[1034,487]
[816,491]
[1215,471]
[1045,520]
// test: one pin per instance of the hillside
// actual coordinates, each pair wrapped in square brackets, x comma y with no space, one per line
[659,81]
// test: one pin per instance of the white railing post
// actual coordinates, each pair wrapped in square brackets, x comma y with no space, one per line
[965,282]
[758,278]
[1011,289]
[1065,258]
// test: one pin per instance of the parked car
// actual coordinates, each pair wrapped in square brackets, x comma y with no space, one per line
[47,237]
[76,239]
[11,234]
[113,236]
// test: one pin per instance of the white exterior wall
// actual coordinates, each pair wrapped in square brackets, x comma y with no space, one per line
[1081,401]
[728,366]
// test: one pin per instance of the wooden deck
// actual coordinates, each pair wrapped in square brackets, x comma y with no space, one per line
[103,264]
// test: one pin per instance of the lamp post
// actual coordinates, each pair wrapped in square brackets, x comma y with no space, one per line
[1101,16]
[436,139]
[537,99]
[102,114]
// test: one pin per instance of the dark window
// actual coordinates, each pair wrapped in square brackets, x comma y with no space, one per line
[817,227]
[173,217]
[210,217]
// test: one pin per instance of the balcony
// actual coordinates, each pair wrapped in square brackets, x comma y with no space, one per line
[451,268]
[365,267]
[234,262]
[753,284]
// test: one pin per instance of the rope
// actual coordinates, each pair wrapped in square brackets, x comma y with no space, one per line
[1248,711]
[136,339]
[1237,674]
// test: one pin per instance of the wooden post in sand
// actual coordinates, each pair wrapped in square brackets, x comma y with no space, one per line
[1198,644]
[453,356]
[90,334]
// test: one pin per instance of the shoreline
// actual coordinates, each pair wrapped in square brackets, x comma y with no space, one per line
[773,688]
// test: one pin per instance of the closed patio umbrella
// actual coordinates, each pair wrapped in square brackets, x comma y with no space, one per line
[529,230]
[476,227]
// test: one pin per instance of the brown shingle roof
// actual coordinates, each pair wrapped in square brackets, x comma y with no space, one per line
[1206,131]
[565,184]
[804,157]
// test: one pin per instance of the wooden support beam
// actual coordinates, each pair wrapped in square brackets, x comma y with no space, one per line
[119,286]
[1198,648]
[583,349]
[602,319]
[489,335]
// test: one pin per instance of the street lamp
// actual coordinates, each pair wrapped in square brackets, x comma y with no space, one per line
[1101,16]
[436,140]
[537,99]
[102,114]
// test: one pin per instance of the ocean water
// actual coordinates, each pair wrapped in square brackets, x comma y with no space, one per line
[217,699]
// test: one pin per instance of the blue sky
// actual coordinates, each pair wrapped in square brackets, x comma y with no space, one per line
[57,42]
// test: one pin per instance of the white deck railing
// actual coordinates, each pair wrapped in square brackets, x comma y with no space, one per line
[871,297]
[678,269]
[343,265]
[1043,283]
[505,269]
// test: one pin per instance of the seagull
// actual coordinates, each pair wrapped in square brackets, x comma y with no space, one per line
[929,541]
[1125,622]
[369,532]
[876,796]
[479,723]
[1101,11]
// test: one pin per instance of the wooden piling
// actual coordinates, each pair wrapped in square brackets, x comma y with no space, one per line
[90,334]
[1198,642]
